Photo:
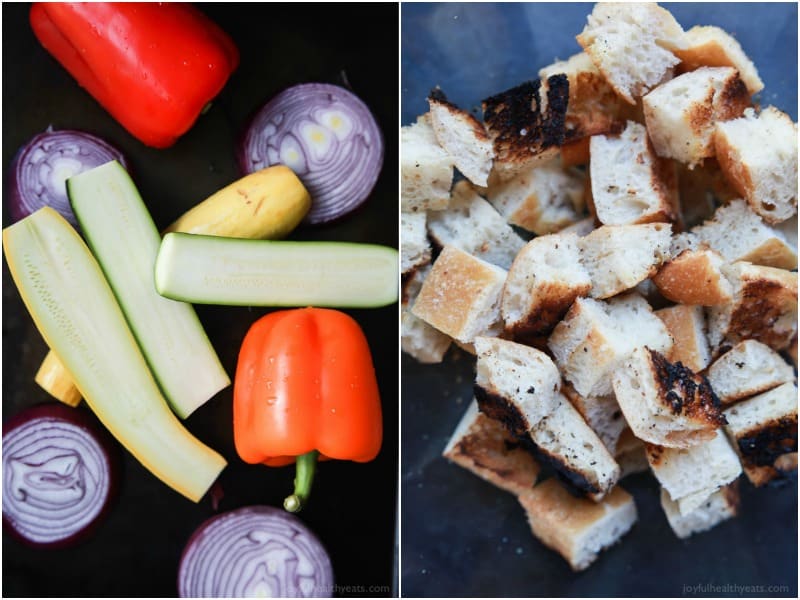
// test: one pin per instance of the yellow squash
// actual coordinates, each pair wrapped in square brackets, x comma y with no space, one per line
[265,205]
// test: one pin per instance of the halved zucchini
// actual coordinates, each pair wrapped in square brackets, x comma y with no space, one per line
[76,312]
[125,241]
[214,270]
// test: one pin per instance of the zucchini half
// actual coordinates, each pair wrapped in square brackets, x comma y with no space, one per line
[125,241]
[214,270]
[75,310]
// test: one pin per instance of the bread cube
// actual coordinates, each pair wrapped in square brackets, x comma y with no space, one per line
[694,277]
[691,475]
[747,369]
[463,137]
[415,250]
[577,528]
[764,429]
[764,307]
[617,257]
[632,44]
[681,114]
[758,154]
[526,124]
[687,326]
[665,403]
[630,454]
[630,183]
[597,336]
[426,169]
[486,448]
[543,200]
[461,295]
[515,384]
[543,281]
[717,508]
[601,413]
[470,223]
[709,46]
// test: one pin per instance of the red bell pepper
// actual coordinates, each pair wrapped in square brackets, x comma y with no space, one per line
[305,388]
[153,66]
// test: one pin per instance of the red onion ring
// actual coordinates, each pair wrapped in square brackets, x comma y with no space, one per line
[41,167]
[59,475]
[327,136]
[254,551]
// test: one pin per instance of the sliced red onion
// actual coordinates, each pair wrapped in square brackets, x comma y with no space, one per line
[327,136]
[59,475]
[255,551]
[43,165]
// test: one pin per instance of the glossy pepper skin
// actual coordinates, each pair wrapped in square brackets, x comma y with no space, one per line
[152,66]
[305,383]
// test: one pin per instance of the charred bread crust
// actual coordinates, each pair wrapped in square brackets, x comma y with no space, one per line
[520,129]
[574,480]
[761,446]
[686,392]
[501,409]
[762,302]
[557,299]
[489,450]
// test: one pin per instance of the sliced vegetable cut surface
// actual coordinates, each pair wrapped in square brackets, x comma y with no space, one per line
[42,166]
[325,134]
[60,473]
[76,312]
[125,241]
[214,270]
[255,551]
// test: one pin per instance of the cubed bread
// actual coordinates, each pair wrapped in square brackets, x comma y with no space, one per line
[666,403]
[764,307]
[601,413]
[594,106]
[764,428]
[580,228]
[681,114]
[463,137]
[426,169]
[461,295]
[718,507]
[709,46]
[694,277]
[577,528]
[421,341]
[687,326]
[415,250]
[526,124]
[737,233]
[630,454]
[632,44]
[691,475]
[515,384]
[617,257]
[596,336]
[573,449]
[630,183]
[758,154]
[486,448]
[543,200]
[747,369]
[542,283]
[472,224]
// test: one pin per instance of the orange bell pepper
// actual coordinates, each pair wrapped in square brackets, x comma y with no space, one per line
[304,389]
[153,65]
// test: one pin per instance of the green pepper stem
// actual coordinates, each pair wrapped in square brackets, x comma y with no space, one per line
[304,477]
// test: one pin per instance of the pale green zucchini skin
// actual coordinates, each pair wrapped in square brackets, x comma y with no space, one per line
[213,270]
[75,310]
[125,241]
